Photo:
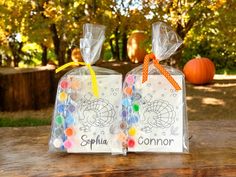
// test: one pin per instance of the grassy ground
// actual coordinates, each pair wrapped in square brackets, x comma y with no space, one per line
[24,121]
[226,72]
[26,118]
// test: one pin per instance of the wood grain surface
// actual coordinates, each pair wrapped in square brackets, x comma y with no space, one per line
[26,89]
[24,152]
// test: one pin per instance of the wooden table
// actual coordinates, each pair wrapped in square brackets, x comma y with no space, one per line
[24,152]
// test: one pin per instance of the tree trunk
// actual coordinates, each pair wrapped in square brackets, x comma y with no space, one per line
[182,32]
[16,60]
[8,60]
[68,53]
[0,60]
[44,55]
[15,53]
[175,59]
[112,48]
[94,5]
[117,47]
[124,46]
[62,53]
[59,49]
[55,37]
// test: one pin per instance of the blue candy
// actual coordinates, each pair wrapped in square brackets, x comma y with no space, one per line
[133,120]
[70,119]
[126,102]
[61,108]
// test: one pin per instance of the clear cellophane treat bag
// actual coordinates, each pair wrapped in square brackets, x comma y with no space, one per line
[153,104]
[87,108]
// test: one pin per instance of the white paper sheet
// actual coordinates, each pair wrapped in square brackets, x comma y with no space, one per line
[159,124]
[87,119]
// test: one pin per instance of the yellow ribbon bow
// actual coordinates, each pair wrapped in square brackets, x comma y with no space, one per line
[92,73]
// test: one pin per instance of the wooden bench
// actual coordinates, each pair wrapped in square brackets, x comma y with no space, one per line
[24,152]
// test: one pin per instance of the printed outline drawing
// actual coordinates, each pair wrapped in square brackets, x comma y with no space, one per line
[158,114]
[95,112]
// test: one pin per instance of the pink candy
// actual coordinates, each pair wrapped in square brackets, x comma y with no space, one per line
[67,144]
[130,79]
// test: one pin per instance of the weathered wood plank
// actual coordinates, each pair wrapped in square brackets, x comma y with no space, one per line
[24,152]
[30,89]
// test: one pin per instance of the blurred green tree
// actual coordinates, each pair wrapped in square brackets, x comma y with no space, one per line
[13,15]
[59,22]
[183,16]
[57,25]
[216,39]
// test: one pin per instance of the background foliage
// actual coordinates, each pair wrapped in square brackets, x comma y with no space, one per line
[34,32]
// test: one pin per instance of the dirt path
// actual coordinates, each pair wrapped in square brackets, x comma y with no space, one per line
[214,101]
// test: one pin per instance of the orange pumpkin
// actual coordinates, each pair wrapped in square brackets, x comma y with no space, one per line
[136,46]
[76,55]
[199,71]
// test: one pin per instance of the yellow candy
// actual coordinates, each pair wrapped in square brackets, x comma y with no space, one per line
[132,131]
[62,96]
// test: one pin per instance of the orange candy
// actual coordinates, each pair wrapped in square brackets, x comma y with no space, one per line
[75,84]
[121,137]
[128,91]
[69,131]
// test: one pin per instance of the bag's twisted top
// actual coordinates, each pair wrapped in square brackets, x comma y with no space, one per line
[165,41]
[91,43]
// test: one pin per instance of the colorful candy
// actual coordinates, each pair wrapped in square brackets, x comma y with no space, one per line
[132,131]
[128,91]
[60,108]
[67,144]
[64,84]
[131,143]
[62,96]
[70,119]
[71,108]
[136,107]
[121,137]
[57,143]
[75,85]
[124,114]
[132,120]
[123,125]
[125,102]
[130,79]
[59,119]
[69,132]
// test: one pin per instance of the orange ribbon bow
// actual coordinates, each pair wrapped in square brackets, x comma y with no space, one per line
[160,68]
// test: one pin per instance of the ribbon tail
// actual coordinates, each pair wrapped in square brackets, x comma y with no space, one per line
[92,73]
[167,75]
[145,68]
[69,64]
[64,66]
[94,81]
